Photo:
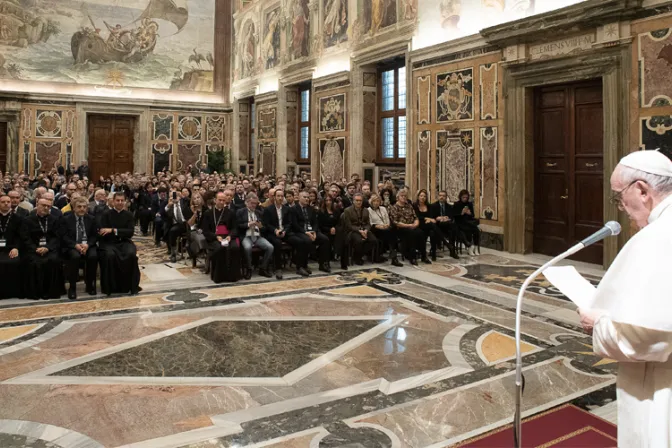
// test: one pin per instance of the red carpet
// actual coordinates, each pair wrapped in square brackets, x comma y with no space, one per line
[566,426]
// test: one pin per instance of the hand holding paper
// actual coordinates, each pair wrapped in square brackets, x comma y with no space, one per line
[572,284]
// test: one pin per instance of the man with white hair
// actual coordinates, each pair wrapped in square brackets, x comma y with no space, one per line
[631,317]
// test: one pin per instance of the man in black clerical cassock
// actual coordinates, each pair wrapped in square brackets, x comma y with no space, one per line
[78,242]
[220,231]
[119,271]
[10,240]
[304,230]
[43,273]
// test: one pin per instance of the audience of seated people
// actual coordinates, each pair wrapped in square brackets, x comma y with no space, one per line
[232,222]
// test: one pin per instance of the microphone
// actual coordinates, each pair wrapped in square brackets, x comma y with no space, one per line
[612,228]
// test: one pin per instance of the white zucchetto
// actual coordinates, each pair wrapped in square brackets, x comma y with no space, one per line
[652,162]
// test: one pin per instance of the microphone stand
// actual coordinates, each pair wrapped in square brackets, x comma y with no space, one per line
[517,421]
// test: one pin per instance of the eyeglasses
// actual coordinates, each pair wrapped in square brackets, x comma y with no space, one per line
[617,198]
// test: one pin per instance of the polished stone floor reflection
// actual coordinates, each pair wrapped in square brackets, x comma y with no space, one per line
[369,358]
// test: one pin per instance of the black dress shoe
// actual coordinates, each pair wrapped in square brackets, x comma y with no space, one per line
[359,262]
[344,267]
[434,257]
[414,262]
[278,275]
[303,272]
[247,274]
[453,253]
[265,273]
[426,260]
[173,259]
[325,268]
[308,270]
[396,262]
[72,294]
[91,290]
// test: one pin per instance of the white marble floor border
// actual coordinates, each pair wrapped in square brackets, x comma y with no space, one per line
[62,437]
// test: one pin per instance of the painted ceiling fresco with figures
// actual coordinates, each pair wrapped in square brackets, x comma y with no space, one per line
[157,44]
[274,34]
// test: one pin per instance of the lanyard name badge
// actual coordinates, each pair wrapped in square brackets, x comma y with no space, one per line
[309,227]
[80,227]
[45,228]
[3,229]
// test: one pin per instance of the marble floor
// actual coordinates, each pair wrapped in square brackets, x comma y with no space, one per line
[372,357]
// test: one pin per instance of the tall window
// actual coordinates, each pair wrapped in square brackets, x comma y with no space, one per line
[392,113]
[304,124]
[253,132]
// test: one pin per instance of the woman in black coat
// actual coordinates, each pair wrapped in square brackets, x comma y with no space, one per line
[466,221]
[328,219]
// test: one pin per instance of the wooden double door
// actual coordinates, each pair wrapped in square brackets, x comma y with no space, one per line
[111,140]
[569,168]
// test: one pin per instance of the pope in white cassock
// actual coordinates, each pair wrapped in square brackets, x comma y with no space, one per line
[631,318]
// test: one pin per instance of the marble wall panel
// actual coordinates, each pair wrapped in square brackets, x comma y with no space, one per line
[244,139]
[454,96]
[188,154]
[370,79]
[488,91]
[656,133]
[162,126]
[655,62]
[424,99]
[454,162]
[46,155]
[423,168]
[267,123]
[70,120]
[332,113]
[369,114]
[266,162]
[489,175]
[215,128]
[48,124]
[292,134]
[189,127]
[396,174]
[332,158]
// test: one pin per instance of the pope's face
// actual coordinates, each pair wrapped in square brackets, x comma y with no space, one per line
[635,198]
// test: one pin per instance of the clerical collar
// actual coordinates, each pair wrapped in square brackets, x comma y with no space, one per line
[660,209]
[118,211]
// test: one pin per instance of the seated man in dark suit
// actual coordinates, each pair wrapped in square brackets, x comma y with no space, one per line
[276,221]
[99,203]
[177,213]
[78,242]
[15,199]
[443,212]
[10,240]
[43,273]
[119,271]
[239,197]
[357,229]
[305,231]
[159,203]
[250,227]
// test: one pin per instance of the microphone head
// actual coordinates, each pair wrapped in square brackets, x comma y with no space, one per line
[614,226]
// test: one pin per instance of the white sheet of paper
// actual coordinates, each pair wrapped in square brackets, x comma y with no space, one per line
[572,284]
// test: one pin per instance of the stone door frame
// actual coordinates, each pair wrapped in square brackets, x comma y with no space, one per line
[613,66]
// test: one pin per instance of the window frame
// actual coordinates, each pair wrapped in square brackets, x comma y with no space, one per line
[395,113]
[303,124]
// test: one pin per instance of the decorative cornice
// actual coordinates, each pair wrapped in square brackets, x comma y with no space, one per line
[584,15]
[458,49]
[383,50]
[298,76]
[268,97]
[326,82]
[113,101]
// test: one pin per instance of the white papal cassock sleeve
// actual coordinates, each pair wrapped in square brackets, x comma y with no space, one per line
[629,343]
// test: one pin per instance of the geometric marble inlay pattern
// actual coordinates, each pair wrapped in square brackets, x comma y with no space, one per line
[655,60]
[228,349]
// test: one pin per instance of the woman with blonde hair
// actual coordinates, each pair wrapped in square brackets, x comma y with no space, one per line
[381,226]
